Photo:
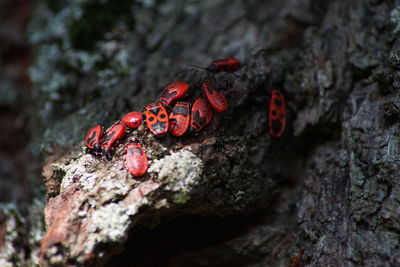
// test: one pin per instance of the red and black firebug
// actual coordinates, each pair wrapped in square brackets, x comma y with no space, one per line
[93,138]
[216,99]
[115,133]
[136,159]
[276,113]
[226,64]
[174,91]
[157,118]
[222,65]
[200,115]
[179,119]
[133,119]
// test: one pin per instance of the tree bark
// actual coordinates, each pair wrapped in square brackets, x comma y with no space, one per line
[324,194]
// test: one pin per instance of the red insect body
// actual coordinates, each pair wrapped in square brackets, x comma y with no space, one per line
[157,118]
[173,92]
[133,119]
[179,119]
[216,99]
[93,138]
[296,260]
[226,64]
[115,133]
[200,115]
[277,113]
[136,159]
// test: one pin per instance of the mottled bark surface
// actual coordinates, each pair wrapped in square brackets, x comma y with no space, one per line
[233,195]
[21,193]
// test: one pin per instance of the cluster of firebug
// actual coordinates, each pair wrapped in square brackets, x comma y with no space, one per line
[184,117]
[187,116]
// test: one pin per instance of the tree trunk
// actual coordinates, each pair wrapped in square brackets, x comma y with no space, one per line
[324,194]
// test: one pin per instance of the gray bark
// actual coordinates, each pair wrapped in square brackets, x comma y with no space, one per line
[328,187]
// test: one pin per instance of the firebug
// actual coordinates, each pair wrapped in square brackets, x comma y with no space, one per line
[179,119]
[157,118]
[216,99]
[93,138]
[115,133]
[222,65]
[276,113]
[226,64]
[133,119]
[200,115]
[136,159]
[173,92]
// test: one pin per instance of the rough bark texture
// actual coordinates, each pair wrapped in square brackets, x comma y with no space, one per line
[329,187]
[21,196]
